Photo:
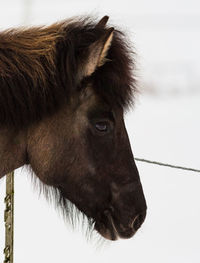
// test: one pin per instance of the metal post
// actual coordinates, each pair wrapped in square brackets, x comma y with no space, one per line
[9,218]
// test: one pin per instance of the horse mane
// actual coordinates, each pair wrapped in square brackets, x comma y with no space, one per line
[38,69]
[70,213]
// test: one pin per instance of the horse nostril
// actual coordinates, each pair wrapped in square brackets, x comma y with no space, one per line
[138,220]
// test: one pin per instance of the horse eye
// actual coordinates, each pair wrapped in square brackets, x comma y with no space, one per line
[101,126]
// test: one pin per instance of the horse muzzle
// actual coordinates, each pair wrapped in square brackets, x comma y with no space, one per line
[112,230]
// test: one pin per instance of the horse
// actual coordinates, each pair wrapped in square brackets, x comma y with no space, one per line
[64,90]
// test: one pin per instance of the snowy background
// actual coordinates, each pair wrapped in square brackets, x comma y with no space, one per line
[164,126]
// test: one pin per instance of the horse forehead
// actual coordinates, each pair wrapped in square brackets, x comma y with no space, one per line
[87,92]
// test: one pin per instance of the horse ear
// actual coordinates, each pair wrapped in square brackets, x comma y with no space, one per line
[106,46]
[97,53]
[102,22]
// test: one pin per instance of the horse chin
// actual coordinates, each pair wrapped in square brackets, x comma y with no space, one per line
[111,231]
[107,233]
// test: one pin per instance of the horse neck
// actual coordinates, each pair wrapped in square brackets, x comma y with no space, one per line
[12,150]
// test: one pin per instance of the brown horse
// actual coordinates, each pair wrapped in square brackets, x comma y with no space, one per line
[63,92]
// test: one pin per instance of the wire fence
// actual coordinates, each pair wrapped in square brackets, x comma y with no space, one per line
[168,165]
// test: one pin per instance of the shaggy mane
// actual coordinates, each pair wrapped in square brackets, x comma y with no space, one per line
[67,210]
[38,69]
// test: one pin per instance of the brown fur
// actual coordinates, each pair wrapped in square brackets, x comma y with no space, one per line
[39,69]
[63,91]
[12,150]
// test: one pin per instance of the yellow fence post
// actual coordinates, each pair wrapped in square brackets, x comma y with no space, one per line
[9,218]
